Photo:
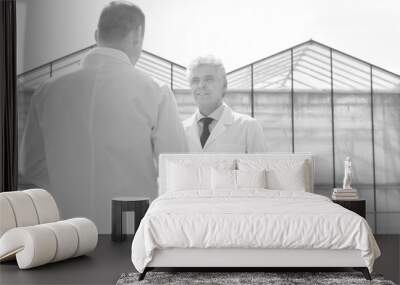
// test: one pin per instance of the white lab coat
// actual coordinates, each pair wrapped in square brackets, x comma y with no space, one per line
[96,133]
[233,133]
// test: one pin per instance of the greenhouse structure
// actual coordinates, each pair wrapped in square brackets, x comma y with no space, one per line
[308,98]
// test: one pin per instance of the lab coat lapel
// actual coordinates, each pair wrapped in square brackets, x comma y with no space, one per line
[221,126]
[193,135]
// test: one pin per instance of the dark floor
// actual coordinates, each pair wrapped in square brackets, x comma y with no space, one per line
[102,266]
[110,259]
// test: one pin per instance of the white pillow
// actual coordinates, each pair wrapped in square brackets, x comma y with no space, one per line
[186,177]
[287,179]
[251,178]
[282,174]
[223,179]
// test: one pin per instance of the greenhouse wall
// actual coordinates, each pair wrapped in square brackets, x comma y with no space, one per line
[308,98]
[352,137]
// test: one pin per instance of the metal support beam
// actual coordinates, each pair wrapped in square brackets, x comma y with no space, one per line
[172,76]
[300,58]
[332,121]
[373,143]
[292,96]
[252,90]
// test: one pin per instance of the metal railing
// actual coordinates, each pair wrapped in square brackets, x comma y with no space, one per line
[161,69]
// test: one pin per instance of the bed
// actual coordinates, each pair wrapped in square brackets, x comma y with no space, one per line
[245,211]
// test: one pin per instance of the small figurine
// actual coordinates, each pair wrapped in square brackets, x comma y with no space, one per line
[348,175]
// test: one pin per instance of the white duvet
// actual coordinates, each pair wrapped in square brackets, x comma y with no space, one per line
[250,218]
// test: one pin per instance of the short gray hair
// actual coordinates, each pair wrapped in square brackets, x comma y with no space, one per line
[118,19]
[209,60]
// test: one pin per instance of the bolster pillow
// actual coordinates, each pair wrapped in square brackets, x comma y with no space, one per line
[40,244]
[26,208]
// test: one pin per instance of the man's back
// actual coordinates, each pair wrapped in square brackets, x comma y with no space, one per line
[101,126]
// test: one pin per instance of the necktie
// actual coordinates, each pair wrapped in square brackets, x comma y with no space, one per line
[206,131]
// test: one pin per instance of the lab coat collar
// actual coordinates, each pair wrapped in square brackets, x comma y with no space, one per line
[108,52]
[216,114]
[226,119]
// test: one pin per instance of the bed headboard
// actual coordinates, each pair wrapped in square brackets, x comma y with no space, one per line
[215,158]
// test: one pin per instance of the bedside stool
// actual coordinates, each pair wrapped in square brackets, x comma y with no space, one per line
[357,206]
[139,205]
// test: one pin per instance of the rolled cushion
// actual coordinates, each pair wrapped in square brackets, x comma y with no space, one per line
[46,207]
[67,240]
[26,208]
[23,208]
[87,233]
[33,246]
[7,218]
[37,245]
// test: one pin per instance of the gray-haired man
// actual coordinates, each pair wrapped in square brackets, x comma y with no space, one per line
[215,127]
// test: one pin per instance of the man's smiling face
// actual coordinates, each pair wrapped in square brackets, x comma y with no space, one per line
[207,86]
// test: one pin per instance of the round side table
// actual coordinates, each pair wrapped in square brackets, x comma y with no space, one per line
[139,205]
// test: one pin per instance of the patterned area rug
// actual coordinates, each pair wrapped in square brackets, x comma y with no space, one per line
[269,278]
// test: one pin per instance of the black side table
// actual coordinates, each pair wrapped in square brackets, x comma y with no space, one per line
[357,206]
[123,204]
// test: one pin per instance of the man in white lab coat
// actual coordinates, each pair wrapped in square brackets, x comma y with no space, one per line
[96,133]
[215,127]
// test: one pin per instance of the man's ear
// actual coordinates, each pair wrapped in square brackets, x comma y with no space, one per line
[137,36]
[96,36]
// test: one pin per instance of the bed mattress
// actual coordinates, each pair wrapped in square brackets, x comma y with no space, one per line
[250,219]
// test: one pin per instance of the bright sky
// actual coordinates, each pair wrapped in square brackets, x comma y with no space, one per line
[240,32]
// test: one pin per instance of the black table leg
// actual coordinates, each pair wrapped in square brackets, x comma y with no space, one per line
[140,211]
[116,222]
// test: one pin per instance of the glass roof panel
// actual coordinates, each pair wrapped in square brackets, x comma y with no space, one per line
[179,78]
[272,73]
[241,79]
[350,74]
[384,81]
[311,71]
[158,69]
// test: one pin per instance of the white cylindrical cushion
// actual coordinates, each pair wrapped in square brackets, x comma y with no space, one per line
[45,205]
[24,210]
[34,246]
[87,234]
[37,245]
[67,239]
[7,218]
